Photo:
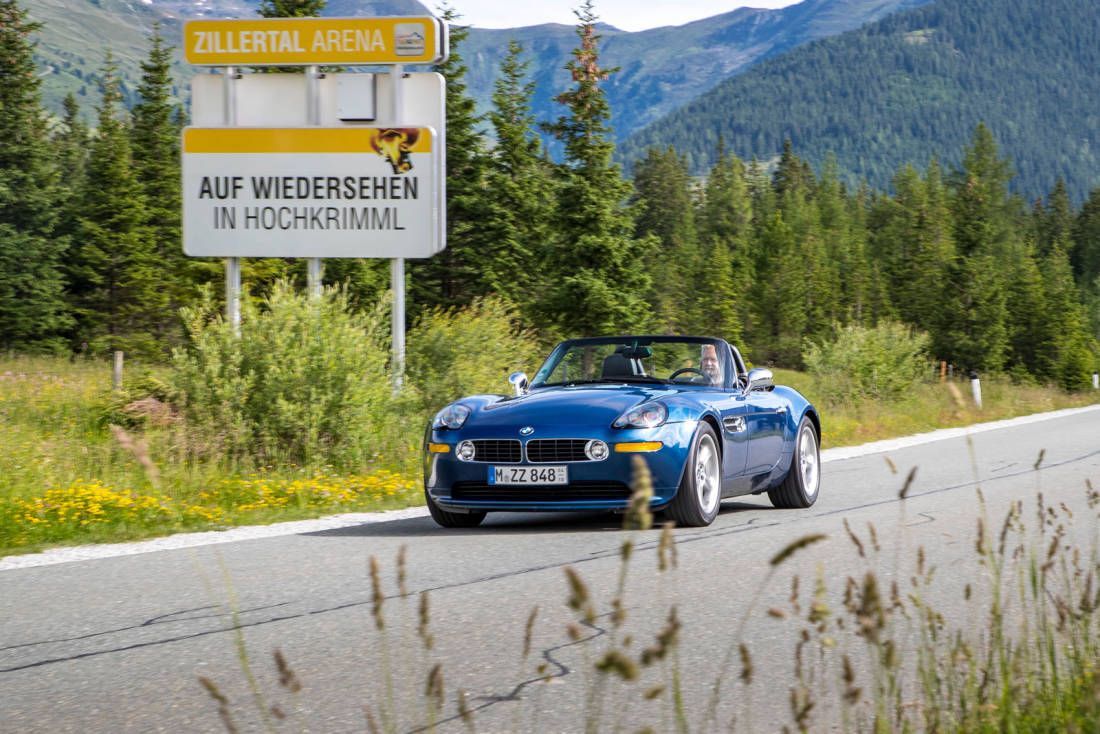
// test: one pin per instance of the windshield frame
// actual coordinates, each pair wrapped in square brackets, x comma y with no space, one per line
[730,358]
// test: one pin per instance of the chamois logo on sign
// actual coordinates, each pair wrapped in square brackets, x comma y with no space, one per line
[394,144]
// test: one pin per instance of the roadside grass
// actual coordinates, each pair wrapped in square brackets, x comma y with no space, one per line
[67,477]
[928,406]
[1012,646]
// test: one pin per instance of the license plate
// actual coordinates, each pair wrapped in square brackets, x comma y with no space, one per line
[528,475]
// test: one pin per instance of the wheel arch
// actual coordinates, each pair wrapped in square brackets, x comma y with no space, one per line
[816,421]
[713,423]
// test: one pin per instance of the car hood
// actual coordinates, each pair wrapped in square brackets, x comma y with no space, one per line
[596,405]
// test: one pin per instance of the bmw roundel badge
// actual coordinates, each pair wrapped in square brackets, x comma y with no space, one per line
[526,431]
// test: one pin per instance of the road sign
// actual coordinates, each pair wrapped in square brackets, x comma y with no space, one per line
[279,100]
[311,192]
[309,41]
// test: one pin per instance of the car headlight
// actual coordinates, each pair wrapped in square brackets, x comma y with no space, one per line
[452,417]
[649,415]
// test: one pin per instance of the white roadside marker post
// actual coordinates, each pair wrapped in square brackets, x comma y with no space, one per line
[116,372]
[976,388]
[1095,381]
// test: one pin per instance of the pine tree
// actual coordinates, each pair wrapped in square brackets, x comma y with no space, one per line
[1085,258]
[117,287]
[843,273]
[520,180]
[32,307]
[779,318]
[597,280]
[912,241]
[663,211]
[1067,344]
[725,219]
[1027,324]
[70,142]
[984,218]
[792,174]
[1057,221]
[720,294]
[291,8]
[1086,237]
[450,278]
[155,142]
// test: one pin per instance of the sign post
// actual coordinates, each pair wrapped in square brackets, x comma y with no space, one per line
[280,183]
[314,272]
[397,264]
[232,264]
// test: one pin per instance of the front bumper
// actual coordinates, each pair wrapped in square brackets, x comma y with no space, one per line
[458,486]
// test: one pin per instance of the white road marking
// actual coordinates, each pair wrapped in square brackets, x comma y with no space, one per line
[232,535]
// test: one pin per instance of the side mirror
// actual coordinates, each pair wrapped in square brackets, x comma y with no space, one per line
[759,379]
[519,382]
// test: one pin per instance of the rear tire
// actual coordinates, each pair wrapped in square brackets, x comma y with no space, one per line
[700,493]
[453,519]
[799,489]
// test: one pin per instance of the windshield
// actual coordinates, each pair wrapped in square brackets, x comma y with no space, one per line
[653,359]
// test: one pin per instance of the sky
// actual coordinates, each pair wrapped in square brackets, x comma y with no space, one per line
[629,15]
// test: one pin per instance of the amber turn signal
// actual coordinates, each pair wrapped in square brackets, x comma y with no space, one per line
[439,448]
[639,446]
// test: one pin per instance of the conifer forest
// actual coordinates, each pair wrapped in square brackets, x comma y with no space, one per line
[763,250]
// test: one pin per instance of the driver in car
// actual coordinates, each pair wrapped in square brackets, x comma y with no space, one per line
[709,364]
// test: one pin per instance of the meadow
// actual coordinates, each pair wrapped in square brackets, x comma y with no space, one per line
[83,463]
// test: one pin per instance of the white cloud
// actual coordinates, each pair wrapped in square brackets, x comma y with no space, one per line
[629,15]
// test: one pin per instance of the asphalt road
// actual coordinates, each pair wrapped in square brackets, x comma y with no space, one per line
[118,644]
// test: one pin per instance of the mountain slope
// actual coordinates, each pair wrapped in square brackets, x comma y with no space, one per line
[912,86]
[662,68]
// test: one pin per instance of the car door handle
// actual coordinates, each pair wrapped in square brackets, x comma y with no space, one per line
[781,410]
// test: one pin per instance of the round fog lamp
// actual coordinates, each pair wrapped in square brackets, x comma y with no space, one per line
[465,450]
[595,450]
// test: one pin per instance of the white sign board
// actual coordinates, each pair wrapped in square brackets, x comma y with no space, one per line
[279,100]
[311,192]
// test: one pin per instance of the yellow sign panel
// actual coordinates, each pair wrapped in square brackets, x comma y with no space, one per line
[243,140]
[307,41]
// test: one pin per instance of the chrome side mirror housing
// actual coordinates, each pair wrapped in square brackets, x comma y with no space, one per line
[759,379]
[519,382]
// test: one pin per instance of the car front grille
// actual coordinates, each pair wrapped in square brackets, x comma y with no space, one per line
[561,493]
[554,450]
[499,450]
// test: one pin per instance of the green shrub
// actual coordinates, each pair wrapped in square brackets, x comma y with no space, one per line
[881,363]
[306,381]
[456,352]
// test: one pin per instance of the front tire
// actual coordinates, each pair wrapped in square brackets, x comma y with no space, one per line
[452,519]
[800,487]
[700,493]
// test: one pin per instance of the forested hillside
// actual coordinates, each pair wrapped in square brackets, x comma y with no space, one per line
[773,259]
[912,86]
[662,68]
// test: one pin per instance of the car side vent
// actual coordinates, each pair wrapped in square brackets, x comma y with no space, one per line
[552,450]
[498,450]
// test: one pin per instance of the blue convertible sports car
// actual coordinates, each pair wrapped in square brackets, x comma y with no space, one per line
[707,427]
